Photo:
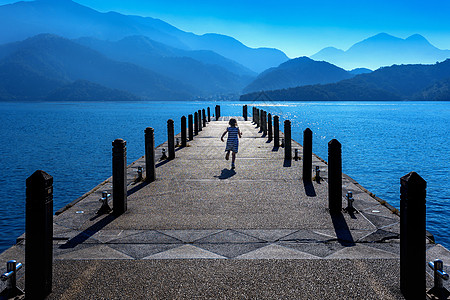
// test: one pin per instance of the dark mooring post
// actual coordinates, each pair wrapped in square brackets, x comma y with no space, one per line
[200,120]
[253,114]
[334,176]
[171,139]
[204,117]
[287,140]
[244,112]
[150,170]
[412,236]
[307,155]
[276,131]
[119,170]
[217,112]
[257,118]
[183,131]
[260,119]
[196,123]
[191,128]
[269,127]
[209,114]
[39,235]
[265,123]
[261,112]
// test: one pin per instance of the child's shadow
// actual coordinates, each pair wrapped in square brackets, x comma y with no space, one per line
[226,173]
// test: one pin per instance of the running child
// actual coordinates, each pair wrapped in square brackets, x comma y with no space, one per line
[232,141]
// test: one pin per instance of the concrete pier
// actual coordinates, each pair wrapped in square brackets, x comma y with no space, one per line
[203,230]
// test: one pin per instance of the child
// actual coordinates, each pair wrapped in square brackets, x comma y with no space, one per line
[232,141]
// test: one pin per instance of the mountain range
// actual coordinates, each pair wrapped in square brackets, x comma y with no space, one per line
[61,50]
[384,50]
[298,72]
[35,68]
[398,82]
[72,20]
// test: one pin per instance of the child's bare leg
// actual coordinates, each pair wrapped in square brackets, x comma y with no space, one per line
[233,158]
[227,156]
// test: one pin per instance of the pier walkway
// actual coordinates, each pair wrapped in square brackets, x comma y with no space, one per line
[202,230]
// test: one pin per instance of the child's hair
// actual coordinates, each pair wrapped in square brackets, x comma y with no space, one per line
[232,122]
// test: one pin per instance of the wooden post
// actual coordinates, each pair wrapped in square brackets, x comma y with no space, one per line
[204,117]
[171,139]
[191,128]
[244,112]
[260,116]
[257,118]
[196,123]
[287,140]
[150,169]
[264,123]
[119,170]
[412,236]
[200,127]
[334,176]
[269,127]
[209,114]
[261,121]
[183,131]
[217,112]
[39,235]
[276,131]
[307,155]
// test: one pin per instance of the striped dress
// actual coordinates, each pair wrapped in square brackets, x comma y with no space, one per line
[233,139]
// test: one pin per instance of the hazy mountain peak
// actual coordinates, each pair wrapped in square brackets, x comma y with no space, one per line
[297,72]
[384,50]
[382,36]
[417,38]
[72,20]
[376,39]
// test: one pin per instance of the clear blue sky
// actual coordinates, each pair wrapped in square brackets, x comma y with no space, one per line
[295,26]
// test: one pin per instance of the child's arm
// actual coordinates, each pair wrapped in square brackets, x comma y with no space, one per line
[221,138]
[239,133]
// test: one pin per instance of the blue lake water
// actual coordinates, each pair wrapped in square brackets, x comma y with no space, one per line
[381,141]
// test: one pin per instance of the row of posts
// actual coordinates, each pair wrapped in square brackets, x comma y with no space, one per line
[263,120]
[412,204]
[39,209]
[39,200]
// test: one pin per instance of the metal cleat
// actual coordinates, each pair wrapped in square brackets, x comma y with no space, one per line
[139,174]
[317,176]
[349,209]
[163,156]
[104,209]
[11,291]
[439,290]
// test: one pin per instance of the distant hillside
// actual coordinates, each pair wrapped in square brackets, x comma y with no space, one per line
[36,67]
[206,71]
[359,71]
[82,90]
[71,20]
[439,91]
[404,82]
[258,59]
[297,72]
[384,50]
